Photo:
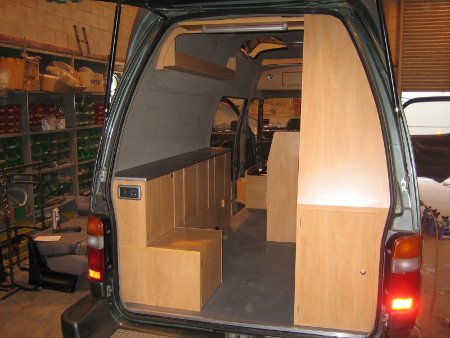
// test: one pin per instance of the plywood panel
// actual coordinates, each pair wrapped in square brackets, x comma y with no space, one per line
[203,213]
[160,277]
[190,194]
[342,155]
[178,198]
[256,191]
[337,263]
[211,269]
[160,207]
[282,176]
[219,188]
[131,215]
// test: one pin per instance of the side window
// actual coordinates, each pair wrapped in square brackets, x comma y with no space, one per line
[226,121]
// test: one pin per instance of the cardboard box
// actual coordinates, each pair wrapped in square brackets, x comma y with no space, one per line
[93,82]
[50,83]
[19,74]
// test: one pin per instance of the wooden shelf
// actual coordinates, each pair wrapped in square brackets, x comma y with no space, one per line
[2,136]
[92,126]
[192,65]
[41,132]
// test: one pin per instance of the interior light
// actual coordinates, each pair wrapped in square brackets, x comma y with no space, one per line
[402,304]
[282,27]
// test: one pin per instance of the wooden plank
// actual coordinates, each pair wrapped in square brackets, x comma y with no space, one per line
[282,184]
[131,215]
[190,194]
[192,65]
[337,267]
[178,198]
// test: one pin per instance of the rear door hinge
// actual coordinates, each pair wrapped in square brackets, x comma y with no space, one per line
[404,184]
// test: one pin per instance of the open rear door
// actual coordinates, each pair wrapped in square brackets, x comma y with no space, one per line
[429,126]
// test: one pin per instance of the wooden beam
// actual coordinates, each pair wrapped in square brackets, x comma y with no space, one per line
[282,62]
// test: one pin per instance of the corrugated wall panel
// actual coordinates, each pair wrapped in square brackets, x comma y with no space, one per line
[425,46]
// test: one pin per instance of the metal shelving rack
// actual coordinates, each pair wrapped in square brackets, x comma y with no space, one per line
[68,101]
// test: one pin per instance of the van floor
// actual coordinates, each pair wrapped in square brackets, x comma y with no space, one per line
[258,277]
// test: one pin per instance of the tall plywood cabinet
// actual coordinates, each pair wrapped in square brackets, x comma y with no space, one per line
[343,187]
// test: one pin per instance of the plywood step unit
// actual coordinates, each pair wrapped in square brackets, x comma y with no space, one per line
[170,254]
[180,270]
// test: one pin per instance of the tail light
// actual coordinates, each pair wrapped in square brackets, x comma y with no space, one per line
[402,283]
[96,255]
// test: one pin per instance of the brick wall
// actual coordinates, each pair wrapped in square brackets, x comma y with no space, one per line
[45,24]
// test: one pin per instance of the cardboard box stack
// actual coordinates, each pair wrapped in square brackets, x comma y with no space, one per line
[19,74]
[62,78]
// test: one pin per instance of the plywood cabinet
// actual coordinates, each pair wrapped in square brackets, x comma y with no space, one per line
[169,254]
[337,267]
[343,185]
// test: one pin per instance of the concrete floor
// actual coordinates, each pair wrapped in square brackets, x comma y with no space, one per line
[37,314]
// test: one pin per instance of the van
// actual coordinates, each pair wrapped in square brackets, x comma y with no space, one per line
[232,221]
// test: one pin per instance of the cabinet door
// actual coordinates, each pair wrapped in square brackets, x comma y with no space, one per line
[178,198]
[222,190]
[337,262]
[190,195]
[203,211]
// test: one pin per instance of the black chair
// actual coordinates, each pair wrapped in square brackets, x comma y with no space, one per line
[293,125]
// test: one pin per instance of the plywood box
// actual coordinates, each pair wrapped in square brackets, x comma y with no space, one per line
[256,191]
[181,270]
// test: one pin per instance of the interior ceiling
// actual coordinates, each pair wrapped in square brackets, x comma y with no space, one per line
[233,41]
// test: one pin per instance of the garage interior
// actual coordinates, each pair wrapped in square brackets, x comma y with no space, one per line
[74,121]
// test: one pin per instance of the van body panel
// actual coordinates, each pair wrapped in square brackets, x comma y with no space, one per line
[162,113]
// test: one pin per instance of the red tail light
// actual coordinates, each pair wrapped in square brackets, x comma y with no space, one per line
[96,255]
[402,284]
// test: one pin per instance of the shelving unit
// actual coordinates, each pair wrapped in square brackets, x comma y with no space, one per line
[68,153]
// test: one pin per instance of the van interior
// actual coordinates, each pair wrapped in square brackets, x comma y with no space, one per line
[251,182]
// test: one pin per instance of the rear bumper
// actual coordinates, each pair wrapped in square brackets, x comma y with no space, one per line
[88,317]
[91,317]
